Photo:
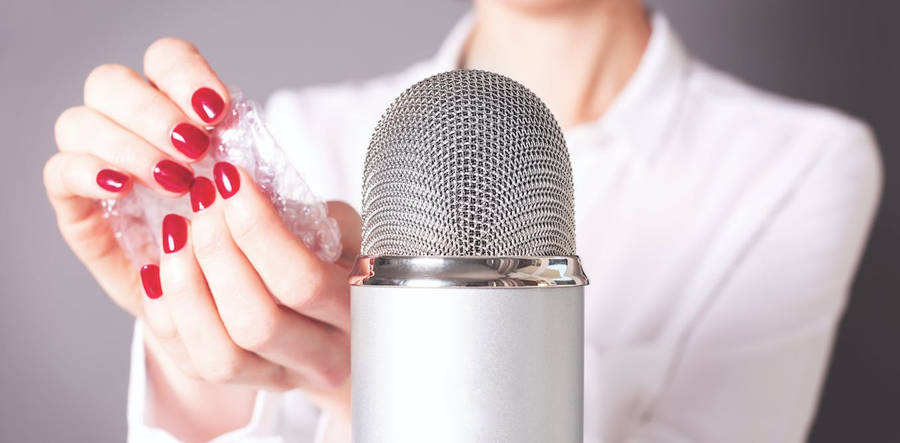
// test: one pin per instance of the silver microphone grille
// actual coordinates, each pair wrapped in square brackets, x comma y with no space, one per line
[467,163]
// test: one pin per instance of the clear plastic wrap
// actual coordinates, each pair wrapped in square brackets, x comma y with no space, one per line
[243,140]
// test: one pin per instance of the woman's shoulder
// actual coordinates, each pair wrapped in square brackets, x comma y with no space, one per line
[761,137]
[738,108]
[768,146]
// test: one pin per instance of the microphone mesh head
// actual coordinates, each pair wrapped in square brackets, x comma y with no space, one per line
[467,163]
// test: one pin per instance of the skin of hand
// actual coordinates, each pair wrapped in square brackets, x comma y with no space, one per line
[237,303]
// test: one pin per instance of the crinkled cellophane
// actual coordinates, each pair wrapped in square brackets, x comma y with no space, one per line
[243,140]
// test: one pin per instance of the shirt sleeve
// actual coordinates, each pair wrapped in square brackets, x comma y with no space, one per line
[276,417]
[752,363]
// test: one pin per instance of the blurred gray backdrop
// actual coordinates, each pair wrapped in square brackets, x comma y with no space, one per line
[64,346]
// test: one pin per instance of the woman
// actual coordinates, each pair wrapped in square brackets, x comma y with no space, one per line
[721,227]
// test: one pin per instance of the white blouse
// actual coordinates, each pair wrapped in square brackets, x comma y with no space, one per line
[720,225]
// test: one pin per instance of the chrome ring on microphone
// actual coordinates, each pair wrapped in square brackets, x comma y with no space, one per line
[468,272]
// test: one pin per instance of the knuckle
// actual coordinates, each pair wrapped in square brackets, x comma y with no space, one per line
[160,51]
[309,292]
[107,71]
[65,123]
[164,333]
[189,371]
[250,227]
[335,371]
[285,380]
[51,170]
[333,378]
[162,330]
[280,386]
[222,370]
[292,379]
[165,45]
[176,279]
[257,334]
[57,175]
[127,153]
[101,76]
[208,244]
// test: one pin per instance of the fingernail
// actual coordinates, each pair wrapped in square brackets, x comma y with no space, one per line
[227,179]
[174,233]
[112,181]
[190,140]
[203,193]
[150,281]
[207,104]
[172,176]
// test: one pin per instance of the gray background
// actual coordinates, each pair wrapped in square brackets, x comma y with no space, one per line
[64,346]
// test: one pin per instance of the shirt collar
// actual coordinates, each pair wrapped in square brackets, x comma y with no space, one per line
[642,112]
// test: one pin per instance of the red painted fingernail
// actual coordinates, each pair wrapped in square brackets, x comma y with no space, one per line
[190,140]
[228,181]
[112,181]
[150,281]
[174,233]
[203,194]
[172,176]
[207,104]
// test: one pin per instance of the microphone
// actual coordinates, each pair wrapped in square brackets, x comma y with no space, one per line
[467,303]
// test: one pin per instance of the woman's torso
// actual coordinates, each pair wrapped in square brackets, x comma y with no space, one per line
[672,186]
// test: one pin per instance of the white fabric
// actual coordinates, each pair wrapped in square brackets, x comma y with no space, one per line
[720,227]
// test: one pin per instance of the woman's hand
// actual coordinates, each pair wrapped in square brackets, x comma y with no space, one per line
[237,303]
[238,299]
[129,129]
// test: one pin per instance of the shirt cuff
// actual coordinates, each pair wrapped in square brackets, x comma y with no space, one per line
[325,433]
[265,424]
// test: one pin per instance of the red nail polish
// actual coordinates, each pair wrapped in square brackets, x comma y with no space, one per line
[207,104]
[174,233]
[203,194]
[190,140]
[150,281]
[112,181]
[228,181]
[172,176]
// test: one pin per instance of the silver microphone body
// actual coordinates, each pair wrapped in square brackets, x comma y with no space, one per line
[493,353]
[467,305]
[467,364]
